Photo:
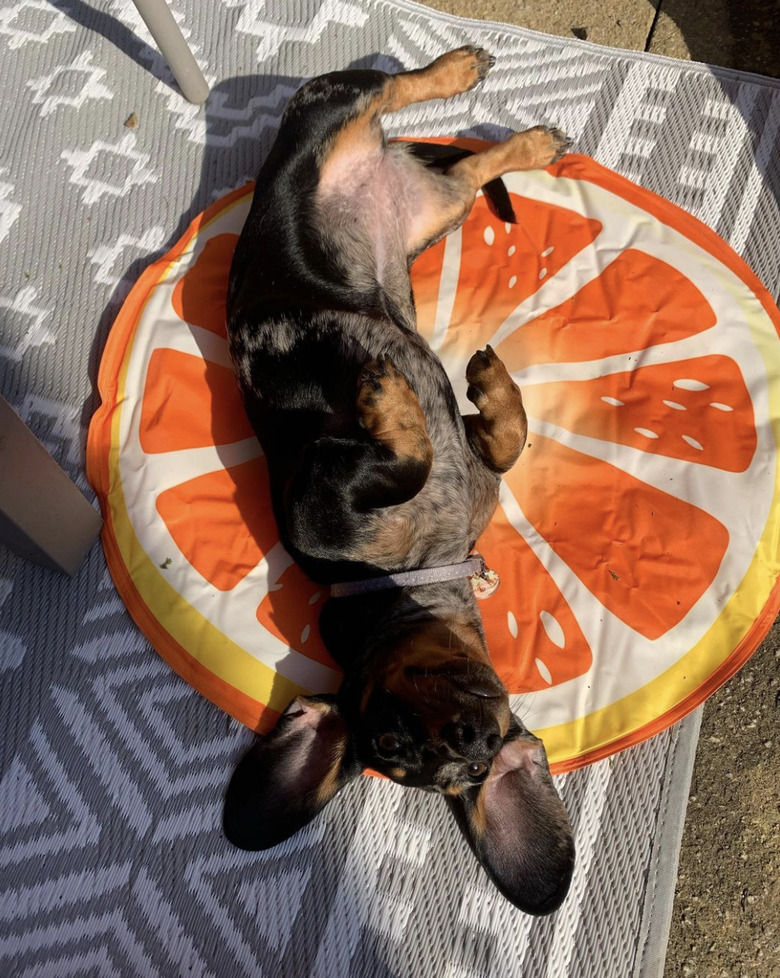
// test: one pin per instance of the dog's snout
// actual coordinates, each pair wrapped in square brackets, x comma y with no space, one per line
[479,681]
[485,691]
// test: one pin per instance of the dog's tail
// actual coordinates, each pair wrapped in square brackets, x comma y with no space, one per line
[437,154]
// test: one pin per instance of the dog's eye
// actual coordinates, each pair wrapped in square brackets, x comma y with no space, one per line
[389,743]
[477,769]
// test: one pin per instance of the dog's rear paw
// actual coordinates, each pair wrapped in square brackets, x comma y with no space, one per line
[481,61]
[553,144]
[534,148]
[465,67]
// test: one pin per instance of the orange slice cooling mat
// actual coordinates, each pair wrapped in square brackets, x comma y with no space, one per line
[636,539]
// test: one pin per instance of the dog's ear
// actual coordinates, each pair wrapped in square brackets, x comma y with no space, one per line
[288,776]
[518,828]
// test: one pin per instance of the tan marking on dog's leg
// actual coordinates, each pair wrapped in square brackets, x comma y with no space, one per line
[528,150]
[329,784]
[389,411]
[499,431]
[479,816]
[455,72]
[452,73]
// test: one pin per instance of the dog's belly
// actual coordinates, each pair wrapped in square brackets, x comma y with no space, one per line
[370,205]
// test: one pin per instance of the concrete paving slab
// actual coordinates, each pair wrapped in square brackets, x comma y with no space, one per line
[618,23]
[743,35]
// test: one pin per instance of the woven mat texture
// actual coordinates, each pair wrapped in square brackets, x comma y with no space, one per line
[111,769]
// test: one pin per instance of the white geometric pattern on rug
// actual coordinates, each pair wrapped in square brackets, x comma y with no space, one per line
[112,859]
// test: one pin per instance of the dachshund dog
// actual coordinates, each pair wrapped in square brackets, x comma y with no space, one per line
[374,474]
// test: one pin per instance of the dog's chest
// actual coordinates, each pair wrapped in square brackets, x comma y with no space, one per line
[441,524]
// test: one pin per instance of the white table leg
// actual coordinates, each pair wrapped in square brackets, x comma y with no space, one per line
[174,48]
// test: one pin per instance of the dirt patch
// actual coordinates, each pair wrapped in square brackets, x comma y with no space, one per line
[726,920]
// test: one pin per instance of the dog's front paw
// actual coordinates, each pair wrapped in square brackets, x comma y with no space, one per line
[479,61]
[381,387]
[498,432]
[385,399]
[486,375]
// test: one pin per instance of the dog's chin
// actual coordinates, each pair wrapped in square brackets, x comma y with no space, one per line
[426,771]
[406,777]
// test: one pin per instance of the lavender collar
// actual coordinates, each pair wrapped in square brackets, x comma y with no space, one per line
[414,578]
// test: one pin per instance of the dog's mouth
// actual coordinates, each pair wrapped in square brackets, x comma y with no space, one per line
[426,770]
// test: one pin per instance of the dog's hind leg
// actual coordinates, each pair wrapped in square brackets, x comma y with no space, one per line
[452,73]
[449,196]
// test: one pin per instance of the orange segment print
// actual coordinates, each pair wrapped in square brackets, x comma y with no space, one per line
[695,410]
[426,277]
[291,611]
[637,302]
[190,402]
[222,522]
[535,641]
[519,258]
[200,295]
[647,556]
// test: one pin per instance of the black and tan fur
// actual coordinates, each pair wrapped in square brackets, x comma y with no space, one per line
[373,470]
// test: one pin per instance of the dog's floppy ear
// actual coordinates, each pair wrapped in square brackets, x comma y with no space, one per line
[518,828]
[289,775]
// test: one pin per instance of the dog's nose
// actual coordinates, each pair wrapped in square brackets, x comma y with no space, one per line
[477,743]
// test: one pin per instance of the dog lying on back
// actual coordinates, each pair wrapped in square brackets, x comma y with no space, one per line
[374,472]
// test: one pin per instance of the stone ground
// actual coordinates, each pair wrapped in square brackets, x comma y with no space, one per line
[726,919]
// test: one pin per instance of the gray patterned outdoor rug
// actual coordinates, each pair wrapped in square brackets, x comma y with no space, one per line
[112,769]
